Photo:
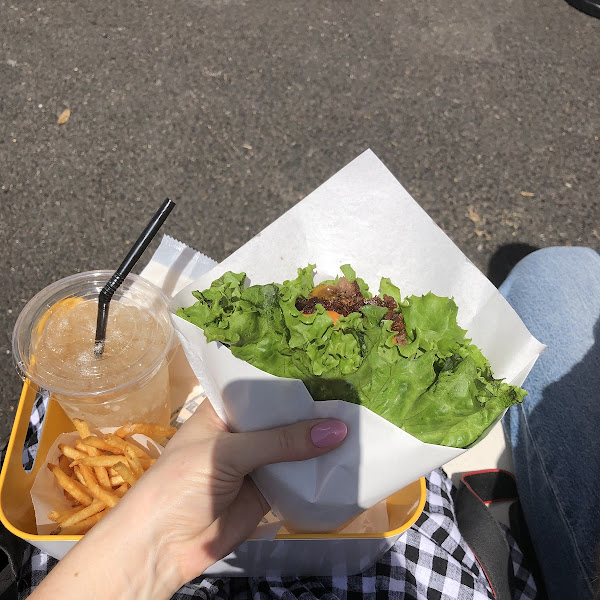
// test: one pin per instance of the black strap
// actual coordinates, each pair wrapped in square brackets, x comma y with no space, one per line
[12,550]
[491,485]
[482,532]
[520,531]
[485,536]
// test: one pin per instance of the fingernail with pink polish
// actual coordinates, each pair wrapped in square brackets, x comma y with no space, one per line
[328,433]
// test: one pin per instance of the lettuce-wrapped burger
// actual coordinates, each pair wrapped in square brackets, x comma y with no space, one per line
[407,359]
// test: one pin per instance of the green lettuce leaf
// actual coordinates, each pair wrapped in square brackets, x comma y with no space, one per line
[460,405]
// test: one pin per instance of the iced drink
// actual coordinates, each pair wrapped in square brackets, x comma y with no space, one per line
[54,348]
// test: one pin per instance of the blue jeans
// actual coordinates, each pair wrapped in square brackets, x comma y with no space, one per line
[555,433]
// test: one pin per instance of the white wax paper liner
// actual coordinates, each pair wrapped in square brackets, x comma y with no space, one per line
[361,216]
[47,495]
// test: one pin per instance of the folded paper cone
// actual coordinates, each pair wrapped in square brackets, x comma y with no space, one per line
[361,216]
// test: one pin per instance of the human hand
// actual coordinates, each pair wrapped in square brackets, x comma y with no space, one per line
[191,508]
[198,496]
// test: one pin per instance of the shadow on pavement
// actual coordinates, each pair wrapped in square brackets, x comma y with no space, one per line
[504,259]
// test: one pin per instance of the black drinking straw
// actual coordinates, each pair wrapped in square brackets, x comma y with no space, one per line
[117,279]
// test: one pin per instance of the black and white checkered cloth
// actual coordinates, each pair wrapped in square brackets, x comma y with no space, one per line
[429,561]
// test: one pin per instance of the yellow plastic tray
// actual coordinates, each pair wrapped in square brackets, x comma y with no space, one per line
[17,514]
[16,507]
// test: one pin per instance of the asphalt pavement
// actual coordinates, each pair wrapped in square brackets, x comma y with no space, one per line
[487,112]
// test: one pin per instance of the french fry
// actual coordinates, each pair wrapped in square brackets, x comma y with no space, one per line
[82,428]
[120,491]
[121,444]
[70,498]
[147,462]
[95,507]
[102,477]
[83,526]
[81,486]
[145,429]
[116,481]
[58,516]
[101,473]
[78,475]
[123,470]
[71,452]
[79,445]
[134,463]
[89,450]
[96,489]
[63,463]
[105,460]
[71,486]
[99,444]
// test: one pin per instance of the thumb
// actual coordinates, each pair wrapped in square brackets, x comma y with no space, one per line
[299,441]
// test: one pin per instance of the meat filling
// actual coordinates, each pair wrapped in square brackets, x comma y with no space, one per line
[346,297]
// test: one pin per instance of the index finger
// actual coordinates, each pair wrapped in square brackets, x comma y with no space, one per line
[205,415]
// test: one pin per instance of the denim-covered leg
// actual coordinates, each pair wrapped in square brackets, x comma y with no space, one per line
[555,433]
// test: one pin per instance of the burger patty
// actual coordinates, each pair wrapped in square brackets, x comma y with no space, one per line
[346,297]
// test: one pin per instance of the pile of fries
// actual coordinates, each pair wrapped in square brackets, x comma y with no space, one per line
[96,472]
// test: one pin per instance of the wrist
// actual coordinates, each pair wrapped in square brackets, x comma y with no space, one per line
[120,557]
[141,560]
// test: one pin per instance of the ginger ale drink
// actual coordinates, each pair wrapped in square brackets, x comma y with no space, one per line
[54,348]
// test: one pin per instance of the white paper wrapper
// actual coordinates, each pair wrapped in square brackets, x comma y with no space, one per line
[361,216]
[47,495]
[174,265]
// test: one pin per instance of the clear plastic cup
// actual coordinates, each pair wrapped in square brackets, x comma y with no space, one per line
[53,346]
